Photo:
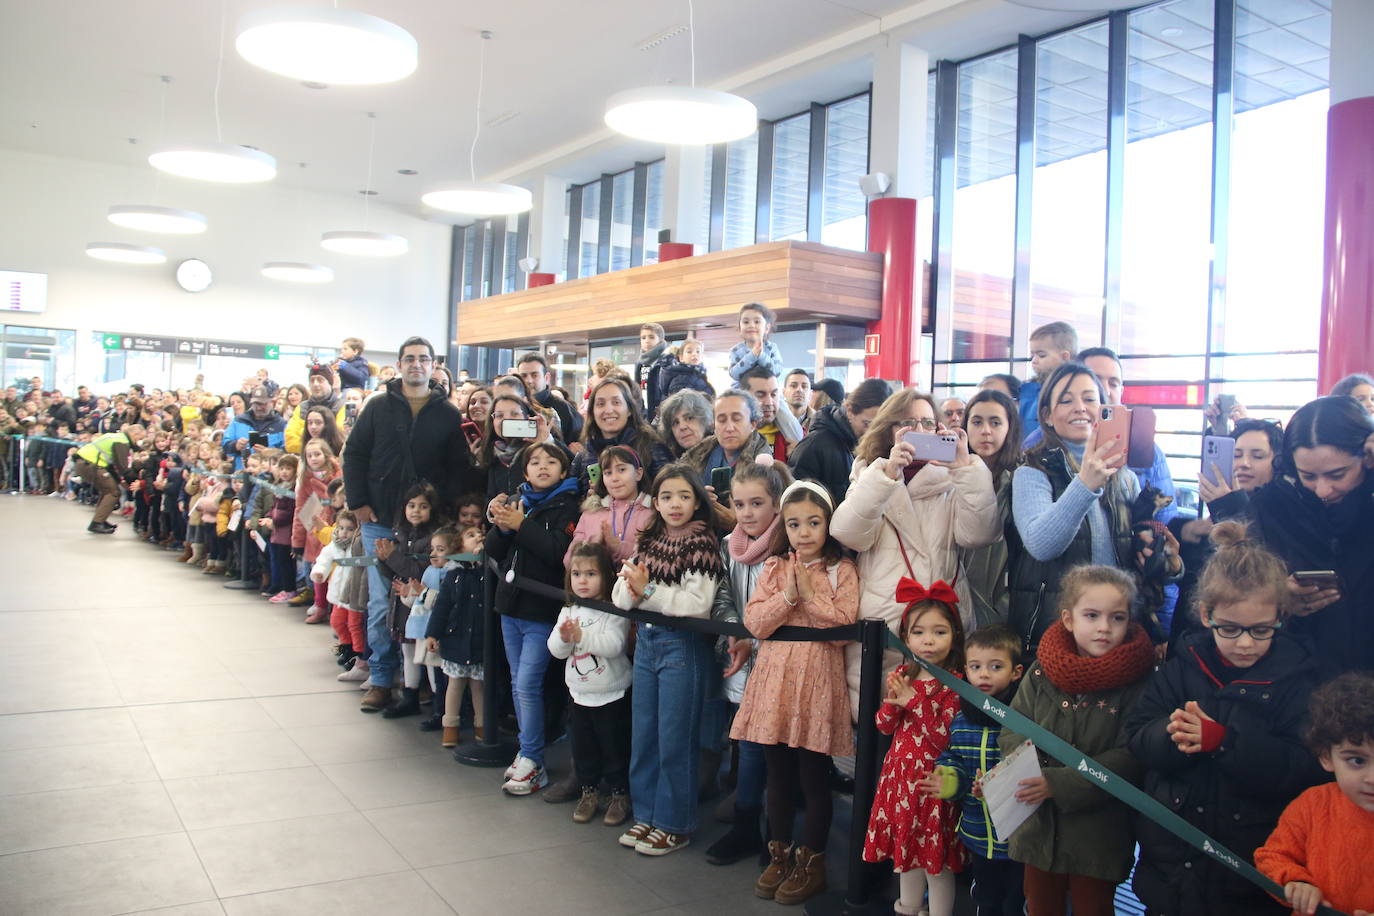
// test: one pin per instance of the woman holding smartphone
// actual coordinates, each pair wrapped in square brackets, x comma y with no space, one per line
[909,519]
[614,417]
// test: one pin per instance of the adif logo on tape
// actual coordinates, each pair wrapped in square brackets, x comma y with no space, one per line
[1211,850]
[1095,774]
[994,710]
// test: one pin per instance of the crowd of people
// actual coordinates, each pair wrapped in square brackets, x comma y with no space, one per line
[1221,662]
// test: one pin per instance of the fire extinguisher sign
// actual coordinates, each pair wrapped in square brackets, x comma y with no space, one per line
[870,345]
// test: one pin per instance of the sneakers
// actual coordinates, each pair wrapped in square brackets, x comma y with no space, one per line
[359,671]
[301,597]
[281,597]
[510,770]
[586,806]
[659,843]
[618,811]
[636,833]
[375,700]
[527,778]
[317,615]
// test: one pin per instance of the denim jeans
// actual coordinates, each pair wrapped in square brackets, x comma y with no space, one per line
[527,650]
[386,655]
[753,775]
[671,669]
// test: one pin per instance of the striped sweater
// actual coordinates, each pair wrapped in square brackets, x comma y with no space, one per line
[972,749]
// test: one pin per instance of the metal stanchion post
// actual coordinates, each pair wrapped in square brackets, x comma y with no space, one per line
[22,443]
[854,899]
[493,750]
[245,544]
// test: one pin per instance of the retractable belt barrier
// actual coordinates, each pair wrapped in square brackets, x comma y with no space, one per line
[1090,769]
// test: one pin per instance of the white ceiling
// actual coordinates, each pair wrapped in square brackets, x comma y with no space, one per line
[81,78]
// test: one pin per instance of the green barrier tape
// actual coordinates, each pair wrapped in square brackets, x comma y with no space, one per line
[51,439]
[1071,757]
[373,561]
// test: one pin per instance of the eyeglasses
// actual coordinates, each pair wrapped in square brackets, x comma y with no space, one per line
[416,360]
[1262,633]
[923,424]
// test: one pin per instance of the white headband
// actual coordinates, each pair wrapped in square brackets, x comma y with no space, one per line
[813,487]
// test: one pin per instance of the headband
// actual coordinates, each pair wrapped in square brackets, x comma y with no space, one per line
[813,487]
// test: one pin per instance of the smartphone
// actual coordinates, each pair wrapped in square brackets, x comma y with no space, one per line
[1321,578]
[257,439]
[1218,455]
[1114,428]
[519,429]
[720,482]
[932,446]
[593,474]
[1141,450]
[472,432]
[1226,403]
[350,413]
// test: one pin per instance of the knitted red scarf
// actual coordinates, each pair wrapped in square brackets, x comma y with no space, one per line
[1077,674]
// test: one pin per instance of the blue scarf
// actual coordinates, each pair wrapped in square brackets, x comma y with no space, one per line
[532,499]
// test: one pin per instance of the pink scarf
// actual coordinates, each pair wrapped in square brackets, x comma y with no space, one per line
[751,553]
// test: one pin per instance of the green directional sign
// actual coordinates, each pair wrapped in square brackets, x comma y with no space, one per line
[110,341]
[272,351]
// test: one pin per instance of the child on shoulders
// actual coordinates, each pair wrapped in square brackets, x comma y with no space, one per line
[756,323]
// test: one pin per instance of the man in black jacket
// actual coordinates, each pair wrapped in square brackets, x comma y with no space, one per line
[407,432]
[534,371]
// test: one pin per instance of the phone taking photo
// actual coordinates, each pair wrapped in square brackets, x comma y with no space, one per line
[1218,458]
[932,446]
[519,429]
[1114,429]
[593,474]
[720,482]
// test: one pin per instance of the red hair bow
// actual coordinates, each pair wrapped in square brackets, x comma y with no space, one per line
[909,591]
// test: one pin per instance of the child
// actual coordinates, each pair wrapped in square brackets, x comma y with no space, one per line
[472,512]
[420,597]
[915,831]
[756,322]
[401,559]
[456,626]
[683,367]
[756,490]
[796,703]
[1051,346]
[992,663]
[531,534]
[347,592]
[207,508]
[652,346]
[675,571]
[1219,732]
[277,524]
[617,509]
[1090,672]
[319,467]
[1319,850]
[598,677]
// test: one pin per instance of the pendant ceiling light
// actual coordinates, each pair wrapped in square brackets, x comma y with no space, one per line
[364,242]
[148,218]
[222,162]
[479,198]
[326,45]
[297,272]
[125,254]
[682,114]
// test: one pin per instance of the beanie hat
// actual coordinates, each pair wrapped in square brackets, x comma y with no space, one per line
[324,371]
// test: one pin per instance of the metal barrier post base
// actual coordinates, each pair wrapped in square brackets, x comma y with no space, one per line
[835,904]
[489,753]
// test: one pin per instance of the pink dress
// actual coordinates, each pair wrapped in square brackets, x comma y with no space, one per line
[796,694]
[911,829]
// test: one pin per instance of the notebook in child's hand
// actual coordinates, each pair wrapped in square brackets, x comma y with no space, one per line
[999,789]
[310,511]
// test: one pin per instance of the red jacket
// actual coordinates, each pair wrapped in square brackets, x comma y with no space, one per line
[312,485]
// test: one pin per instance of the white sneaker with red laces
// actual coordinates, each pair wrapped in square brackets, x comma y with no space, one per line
[528,777]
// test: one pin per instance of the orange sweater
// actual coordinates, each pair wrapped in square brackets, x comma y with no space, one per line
[1321,839]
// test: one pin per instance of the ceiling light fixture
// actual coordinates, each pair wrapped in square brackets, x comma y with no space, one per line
[479,198]
[365,242]
[682,115]
[157,219]
[222,162]
[125,254]
[327,45]
[297,272]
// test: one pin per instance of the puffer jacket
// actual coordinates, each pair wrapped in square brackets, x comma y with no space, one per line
[458,617]
[940,511]
[597,510]
[826,453]
[534,551]
[1234,794]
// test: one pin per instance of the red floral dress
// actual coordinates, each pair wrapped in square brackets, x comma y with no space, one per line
[911,829]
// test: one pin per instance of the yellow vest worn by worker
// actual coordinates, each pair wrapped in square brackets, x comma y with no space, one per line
[100,452]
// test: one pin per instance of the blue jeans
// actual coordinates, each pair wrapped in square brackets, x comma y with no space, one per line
[753,775]
[527,650]
[671,669]
[386,655]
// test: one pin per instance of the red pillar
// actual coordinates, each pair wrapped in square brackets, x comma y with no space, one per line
[1347,328]
[671,251]
[892,233]
[540,280]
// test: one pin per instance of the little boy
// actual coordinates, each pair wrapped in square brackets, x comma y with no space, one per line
[1051,346]
[993,665]
[652,346]
[1326,832]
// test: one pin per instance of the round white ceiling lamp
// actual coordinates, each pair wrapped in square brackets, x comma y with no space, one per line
[681,115]
[297,272]
[473,197]
[122,253]
[222,162]
[326,45]
[157,219]
[367,244]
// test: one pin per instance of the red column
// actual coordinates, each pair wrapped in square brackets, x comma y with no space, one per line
[892,233]
[1347,329]
[671,251]
[540,280]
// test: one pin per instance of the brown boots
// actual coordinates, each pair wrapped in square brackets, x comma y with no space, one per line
[779,865]
[793,875]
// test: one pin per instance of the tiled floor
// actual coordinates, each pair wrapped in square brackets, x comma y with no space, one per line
[168,745]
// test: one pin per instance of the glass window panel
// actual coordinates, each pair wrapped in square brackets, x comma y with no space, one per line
[741,190]
[925,205]
[653,211]
[702,243]
[512,256]
[470,262]
[791,154]
[567,228]
[844,211]
[984,208]
[591,222]
[1069,210]
[622,200]
[487,241]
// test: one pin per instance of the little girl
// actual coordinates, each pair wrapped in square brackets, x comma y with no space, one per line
[207,512]
[796,703]
[347,591]
[1091,670]
[598,677]
[320,466]
[675,572]
[530,535]
[916,831]
[684,368]
[1219,731]
[402,560]
[756,322]
[456,626]
[617,509]
[420,598]
[278,523]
